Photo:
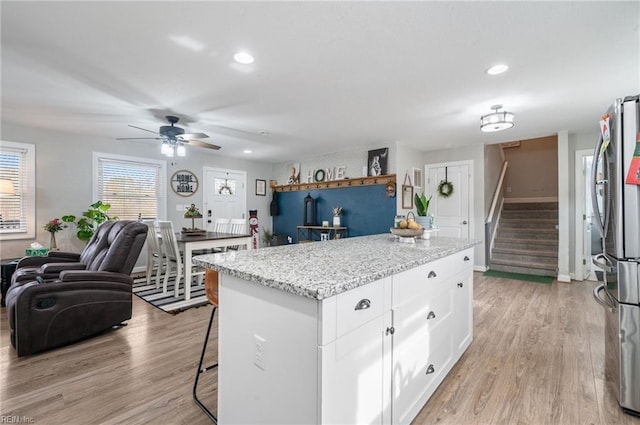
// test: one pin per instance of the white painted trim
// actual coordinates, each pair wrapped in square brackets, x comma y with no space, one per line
[480,268]
[564,278]
[579,191]
[530,200]
[563,204]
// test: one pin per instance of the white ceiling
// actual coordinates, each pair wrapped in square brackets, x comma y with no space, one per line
[327,76]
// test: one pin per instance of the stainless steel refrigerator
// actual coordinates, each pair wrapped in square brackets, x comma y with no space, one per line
[618,220]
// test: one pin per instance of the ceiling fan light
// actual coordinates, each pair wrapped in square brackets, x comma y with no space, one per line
[180,150]
[165,149]
[496,121]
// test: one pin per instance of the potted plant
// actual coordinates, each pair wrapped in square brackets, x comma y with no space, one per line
[422,206]
[90,220]
[266,237]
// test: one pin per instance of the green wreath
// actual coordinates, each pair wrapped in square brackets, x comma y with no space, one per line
[445,188]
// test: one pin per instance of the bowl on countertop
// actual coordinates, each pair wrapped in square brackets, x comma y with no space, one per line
[406,233]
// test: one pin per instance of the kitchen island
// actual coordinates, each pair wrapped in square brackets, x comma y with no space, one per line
[357,330]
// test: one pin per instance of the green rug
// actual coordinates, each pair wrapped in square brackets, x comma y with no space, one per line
[519,276]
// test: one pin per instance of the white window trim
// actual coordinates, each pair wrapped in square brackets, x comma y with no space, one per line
[30,197]
[162,201]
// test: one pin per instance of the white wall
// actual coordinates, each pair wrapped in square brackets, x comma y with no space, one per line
[493,160]
[64,179]
[406,160]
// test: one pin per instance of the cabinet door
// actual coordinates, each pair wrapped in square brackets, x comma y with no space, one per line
[463,311]
[423,348]
[356,375]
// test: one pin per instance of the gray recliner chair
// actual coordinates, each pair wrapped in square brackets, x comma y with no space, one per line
[65,297]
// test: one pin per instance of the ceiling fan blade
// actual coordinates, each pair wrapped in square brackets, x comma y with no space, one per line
[202,144]
[139,138]
[191,136]
[143,129]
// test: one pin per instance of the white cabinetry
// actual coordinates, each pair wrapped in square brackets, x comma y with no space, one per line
[374,354]
[433,321]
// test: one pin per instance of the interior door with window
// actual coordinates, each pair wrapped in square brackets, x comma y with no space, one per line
[225,195]
[451,214]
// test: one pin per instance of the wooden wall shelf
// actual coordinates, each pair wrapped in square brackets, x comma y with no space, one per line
[358,181]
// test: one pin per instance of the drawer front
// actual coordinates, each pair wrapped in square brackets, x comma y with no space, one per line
[358,306]
[419,367]
[426,278]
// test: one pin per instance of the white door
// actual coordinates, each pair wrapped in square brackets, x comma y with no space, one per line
[587,236]
[452,214]
[225,195]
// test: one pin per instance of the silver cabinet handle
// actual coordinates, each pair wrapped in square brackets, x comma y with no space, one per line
[391,330]
[430,369]
[363,304]
[431,315]
[464,222]
[431,274]
[460,284]
[466,258]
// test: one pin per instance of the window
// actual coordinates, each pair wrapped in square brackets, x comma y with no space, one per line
[135,187]
[17,204]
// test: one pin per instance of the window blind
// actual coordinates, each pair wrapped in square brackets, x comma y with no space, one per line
[134,189]
[14,208]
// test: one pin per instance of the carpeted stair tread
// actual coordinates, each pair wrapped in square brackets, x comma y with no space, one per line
[545,242]
[530,252]
[527,264]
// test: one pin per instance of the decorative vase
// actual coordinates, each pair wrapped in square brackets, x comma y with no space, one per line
[336,221]
[53,246]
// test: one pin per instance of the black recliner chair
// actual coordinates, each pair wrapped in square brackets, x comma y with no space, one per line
[65,297]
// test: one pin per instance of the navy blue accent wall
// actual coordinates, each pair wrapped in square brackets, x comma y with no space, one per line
[367,210]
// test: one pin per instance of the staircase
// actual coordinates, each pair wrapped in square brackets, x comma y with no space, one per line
[527,239]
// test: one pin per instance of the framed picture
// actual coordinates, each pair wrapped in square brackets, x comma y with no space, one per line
[417,177]
[261,187]
[293,173]
[377,162]
[407,197]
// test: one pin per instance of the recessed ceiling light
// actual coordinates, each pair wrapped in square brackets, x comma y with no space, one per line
[243,58]
[247,151]
[497,69]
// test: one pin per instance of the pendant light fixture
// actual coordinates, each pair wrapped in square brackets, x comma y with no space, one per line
[496,121]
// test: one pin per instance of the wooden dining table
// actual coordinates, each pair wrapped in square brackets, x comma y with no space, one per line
[209,240]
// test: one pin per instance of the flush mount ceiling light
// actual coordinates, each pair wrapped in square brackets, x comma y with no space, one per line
[497,69]
[496,121]
[243,58]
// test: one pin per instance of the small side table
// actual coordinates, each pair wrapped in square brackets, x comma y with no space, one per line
[7,268]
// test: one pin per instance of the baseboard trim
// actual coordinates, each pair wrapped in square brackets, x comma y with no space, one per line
[480,268]
[564,278]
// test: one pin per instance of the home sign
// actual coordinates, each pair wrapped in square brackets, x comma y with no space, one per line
[184,183]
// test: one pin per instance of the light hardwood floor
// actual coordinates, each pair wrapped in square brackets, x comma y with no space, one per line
[537,358]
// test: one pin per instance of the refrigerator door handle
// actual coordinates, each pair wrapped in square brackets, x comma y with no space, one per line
[604,265]
[594,187]
[596,294]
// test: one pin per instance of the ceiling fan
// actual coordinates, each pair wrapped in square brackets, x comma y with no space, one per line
[174,138]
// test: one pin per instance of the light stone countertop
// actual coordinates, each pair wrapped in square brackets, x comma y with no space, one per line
[321,270]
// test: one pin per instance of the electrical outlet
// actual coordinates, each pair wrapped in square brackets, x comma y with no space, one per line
[259,352]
